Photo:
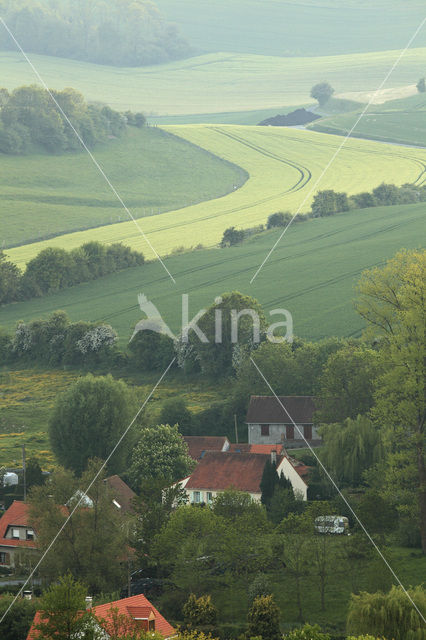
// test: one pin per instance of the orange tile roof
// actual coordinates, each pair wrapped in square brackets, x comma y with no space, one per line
[244,447]
[127,606]
[16,515]
[218,471]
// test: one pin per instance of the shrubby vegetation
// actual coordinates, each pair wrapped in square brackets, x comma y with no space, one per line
[30,120]
[122,33]
[54,269]
[57,341]
[328,203]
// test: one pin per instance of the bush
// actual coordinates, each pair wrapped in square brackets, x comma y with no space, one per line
[175,411]
[231,236]
[151,351]
[307,632]
[278,219]
[199,611]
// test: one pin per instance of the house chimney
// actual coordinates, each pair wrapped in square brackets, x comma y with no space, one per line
[89,601]
[28,594]
[274,457]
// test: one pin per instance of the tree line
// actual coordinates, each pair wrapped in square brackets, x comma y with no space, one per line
[117,32]
[327,203]
[30,121]
[54,269]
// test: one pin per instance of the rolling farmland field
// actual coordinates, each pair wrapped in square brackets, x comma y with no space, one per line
[216,82]
[311,273]
[400,121]
[295,28]
[44,195]
[283,166]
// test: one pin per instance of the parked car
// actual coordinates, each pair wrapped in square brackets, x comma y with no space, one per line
[332,524]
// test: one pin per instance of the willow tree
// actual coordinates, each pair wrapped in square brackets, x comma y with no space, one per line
[350,448]
[392,301]
[397,614]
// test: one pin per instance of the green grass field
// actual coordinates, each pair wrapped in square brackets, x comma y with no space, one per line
[27,398]
[291,27]
[401,121]
[45,195]
[312,273]
[217,82]
[283,165]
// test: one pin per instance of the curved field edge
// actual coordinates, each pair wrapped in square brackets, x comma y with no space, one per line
[230,81]
[45,196]
[312,273]
[283,166]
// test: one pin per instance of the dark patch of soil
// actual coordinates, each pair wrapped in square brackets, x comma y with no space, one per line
[298,117]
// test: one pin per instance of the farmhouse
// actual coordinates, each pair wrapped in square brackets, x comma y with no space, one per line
[218,471]
[16,534]
[289,421]
[137,608]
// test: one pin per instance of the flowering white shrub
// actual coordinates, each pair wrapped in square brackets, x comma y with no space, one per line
[96,339]
[22,339]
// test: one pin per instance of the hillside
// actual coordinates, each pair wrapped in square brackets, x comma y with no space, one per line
[294,28]
[401,121]
[46,195]
[217,82]
[311,273]
[283,165]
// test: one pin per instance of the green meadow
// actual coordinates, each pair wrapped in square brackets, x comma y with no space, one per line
[401,121]
[217,82]
[283,166]
[312,273]
[294,28]
[154,171]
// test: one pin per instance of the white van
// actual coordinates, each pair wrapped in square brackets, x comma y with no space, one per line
[332,524]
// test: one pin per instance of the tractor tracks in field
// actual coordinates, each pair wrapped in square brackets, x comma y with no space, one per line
[276,260]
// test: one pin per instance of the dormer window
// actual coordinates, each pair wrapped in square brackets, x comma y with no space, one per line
[30,534]
[15,534]
[151,625]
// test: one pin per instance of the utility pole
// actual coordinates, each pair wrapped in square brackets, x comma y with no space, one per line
[236,428]
[24,468]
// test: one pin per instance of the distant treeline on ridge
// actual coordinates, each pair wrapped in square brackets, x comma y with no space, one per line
[30,120]
[53,269]
[113,32]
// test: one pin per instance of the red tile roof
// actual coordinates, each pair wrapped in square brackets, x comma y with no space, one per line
[127,606]
[267,410]
[17,515]
[198,445]
[218,471]
[244,447]
[122,493]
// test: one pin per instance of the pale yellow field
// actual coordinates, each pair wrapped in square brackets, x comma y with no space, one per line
[283,166]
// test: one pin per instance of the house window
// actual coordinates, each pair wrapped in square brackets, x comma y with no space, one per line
[196,497]
[307,431]
[3,557]
[151,625]
[30,534]
[264,429]
[15,534]
[209,497]
[289,432]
